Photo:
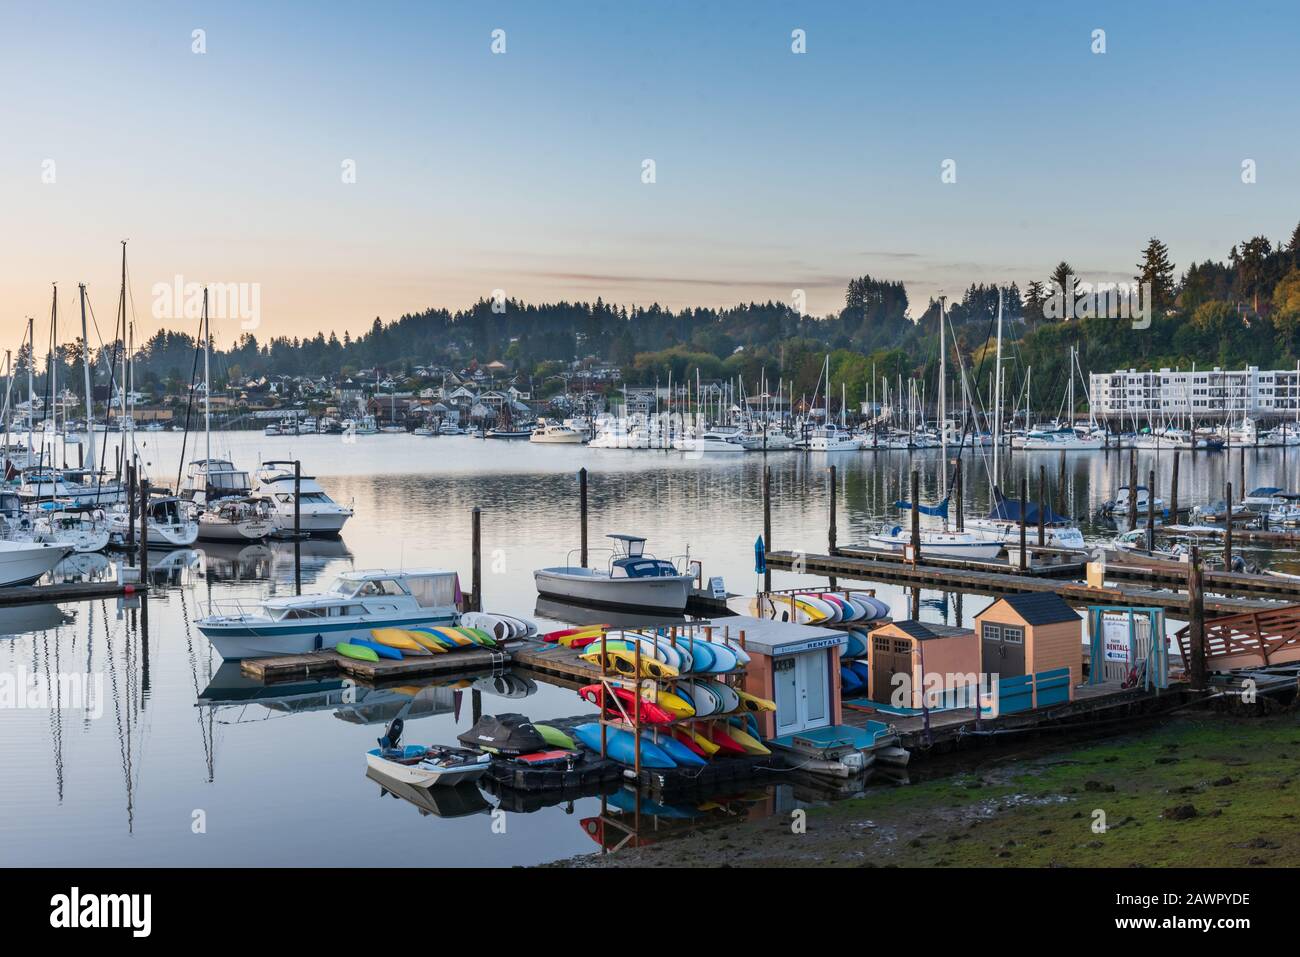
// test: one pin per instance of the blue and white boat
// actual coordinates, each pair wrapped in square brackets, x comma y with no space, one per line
[633,579]
[356,603]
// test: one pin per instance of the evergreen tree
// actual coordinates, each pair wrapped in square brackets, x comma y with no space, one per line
[1156,269]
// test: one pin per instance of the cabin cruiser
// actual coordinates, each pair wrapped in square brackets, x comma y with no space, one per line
[712,440]
[632,579]
[548,433]
[355,603]
[1268,497]
[1120,504]
[1058,440]
[771,439]
[170,525]
[318,514]
[75,488]
[829,438]
[449,428]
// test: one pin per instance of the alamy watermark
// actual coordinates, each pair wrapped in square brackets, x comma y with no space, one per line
[1103,300]
[67,691]
[226,300]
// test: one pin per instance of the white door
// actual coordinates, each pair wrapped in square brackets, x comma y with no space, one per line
[785,675]
[802,692]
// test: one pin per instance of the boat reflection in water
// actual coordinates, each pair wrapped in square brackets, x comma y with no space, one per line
[460,800]
[84,567]
[231,562]
[21,619]
[575,614]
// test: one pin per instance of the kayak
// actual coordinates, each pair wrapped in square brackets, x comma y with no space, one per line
[674,704]
[623,662]
[698,742]
[356,652]
[478,636]
[728,697]
[452,636]
[383,651]
[751,702]
[679,752]
[622,747]
[555,737]
[722,737]
[428,641]
[748,743]
[650,712]
[398,638]
[554,636]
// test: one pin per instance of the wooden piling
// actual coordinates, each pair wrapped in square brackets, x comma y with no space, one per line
[1133,488]
[130,506]
[830,527]
[1196,618]
[1024,495]
[582,512]
[1062,505]
[297,526]
[767,521]
[1151,509]
[1042,506]
[916,516]
[1227,528]
[476,559]
[961,512]
[1173,490]
[144,529]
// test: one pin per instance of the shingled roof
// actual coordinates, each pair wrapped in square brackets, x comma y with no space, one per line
[1041,608]
[922,630]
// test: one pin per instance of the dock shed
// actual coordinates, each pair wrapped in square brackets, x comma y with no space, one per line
[797,666]
[1036,637]
[941,658]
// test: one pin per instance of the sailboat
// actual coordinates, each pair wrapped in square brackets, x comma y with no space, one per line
[830,437]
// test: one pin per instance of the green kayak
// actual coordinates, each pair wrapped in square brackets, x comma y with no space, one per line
[555,737]
[359,652]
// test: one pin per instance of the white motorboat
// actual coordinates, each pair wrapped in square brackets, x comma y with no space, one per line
[895,538]
[1120,504]
[548,433]
[449,428]
[1058,440]
[318,514]
[22,563]
[355,603]
[633,579]
[1268,497]
[712,440]
[76,488]
[426,767]
[829,438]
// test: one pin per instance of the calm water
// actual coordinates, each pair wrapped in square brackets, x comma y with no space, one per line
[279,775]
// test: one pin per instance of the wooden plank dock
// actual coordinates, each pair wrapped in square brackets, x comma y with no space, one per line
[982,582]
[322,664]
[69,591]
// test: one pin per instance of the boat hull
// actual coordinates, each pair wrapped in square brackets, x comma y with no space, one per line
[583,586]
[235,639]
[22,563]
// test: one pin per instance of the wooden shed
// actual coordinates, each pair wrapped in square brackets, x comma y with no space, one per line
[1031,635]
[927,652]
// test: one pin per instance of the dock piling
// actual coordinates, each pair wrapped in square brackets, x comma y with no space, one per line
[1173,490]
[582,511]
[476,559]
[144,529]
[767,522]
[1042,506]
[961,518]
[916,516]
[1196,618]
[1227,528]
[1024,495]
[1151,509]
[830,528]
[1133,488]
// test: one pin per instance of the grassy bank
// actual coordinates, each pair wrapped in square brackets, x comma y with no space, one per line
[1201,791]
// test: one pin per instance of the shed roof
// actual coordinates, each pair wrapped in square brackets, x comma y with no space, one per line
[1039,608]
[923,630]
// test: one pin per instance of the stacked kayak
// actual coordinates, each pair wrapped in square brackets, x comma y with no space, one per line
[824,608]
[475,630]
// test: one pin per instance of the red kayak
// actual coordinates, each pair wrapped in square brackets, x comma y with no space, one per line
[718,735]
[651,713]
[554,636]
[685,737]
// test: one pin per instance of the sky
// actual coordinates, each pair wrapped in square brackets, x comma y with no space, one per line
[523,171]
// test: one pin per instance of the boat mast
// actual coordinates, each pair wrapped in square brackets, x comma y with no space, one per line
[90,396]
[31,385]
[943,390]
[997,396]
[207,383]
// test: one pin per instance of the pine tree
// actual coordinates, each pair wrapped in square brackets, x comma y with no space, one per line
[1156,269]
[1035,296]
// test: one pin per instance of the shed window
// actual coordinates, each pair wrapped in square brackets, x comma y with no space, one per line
[992,632]
[1015,636]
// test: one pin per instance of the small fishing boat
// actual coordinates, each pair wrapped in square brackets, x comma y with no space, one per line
[632,579]
[425,766]
[357,603]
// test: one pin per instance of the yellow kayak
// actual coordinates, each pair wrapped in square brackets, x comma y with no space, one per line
[704,744]
[427,641]
[623,662]
[398,638]
[568,640]
[675,705]
[454,636]
[752,702]
[746,740]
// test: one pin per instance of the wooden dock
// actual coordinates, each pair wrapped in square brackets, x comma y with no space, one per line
[323,664]
[69,591]
[980,582]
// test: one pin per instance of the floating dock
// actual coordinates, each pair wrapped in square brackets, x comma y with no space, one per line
[69,591]
[328,662]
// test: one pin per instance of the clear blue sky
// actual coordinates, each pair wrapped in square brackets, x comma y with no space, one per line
[522,171]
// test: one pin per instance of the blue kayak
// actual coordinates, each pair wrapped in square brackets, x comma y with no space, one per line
[679,752]
[620,745]
[849,680]
[383,651]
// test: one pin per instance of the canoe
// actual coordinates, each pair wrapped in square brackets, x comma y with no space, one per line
[622,747]
[623,662]
[356,652]
[680,753]
[383,651]
[752,702]
[650,712]
[555,737]
[398,638]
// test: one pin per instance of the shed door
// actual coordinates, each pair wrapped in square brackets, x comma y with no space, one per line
[802,692]
[1003,649]
[889,656]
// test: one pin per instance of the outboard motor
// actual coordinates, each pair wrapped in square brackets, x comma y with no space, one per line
[393,736]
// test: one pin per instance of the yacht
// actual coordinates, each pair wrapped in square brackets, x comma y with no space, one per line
[1058,440]
[711,440]
[449,428]
[632,579]
[318,514]
[1120,504]
[830,438]
[22,563]
[82,531]
[356,603]
[548,433]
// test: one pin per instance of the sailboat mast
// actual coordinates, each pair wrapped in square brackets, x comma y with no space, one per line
[31,384]
[90,396]
[997,397]
[207,379]
[943,390]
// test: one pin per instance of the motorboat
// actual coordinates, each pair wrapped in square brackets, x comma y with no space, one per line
[712,440]
[22,563]
[318,514]
[354,604]
[1120,504]
[170,525]
[548,433]
[632,579]
[449,428]
[511,432]
[1268,497]
[829,438]
[1287,514]
[1058,440]
[429,766]
[74,488]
